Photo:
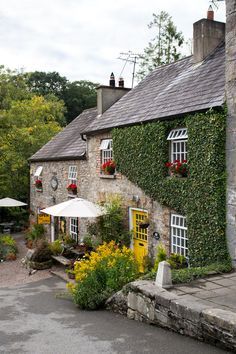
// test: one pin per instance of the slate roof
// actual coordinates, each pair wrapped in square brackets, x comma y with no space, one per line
[169,91]
[68,144]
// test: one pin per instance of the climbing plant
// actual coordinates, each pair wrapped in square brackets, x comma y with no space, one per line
[141,152]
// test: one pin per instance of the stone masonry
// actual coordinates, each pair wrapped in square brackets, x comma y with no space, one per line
[231,124]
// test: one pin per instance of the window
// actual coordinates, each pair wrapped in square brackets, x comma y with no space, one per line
[72,174]
[74,228]
[38,171]
[178,139]
[106,150]
[179,240]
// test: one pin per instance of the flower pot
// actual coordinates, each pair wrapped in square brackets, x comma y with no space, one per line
[40,265]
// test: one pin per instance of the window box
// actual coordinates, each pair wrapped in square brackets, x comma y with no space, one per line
[107,176]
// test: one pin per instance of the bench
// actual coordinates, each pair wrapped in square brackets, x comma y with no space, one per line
[62,260]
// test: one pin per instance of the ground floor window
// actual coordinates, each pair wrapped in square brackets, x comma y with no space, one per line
[179,239]
[74,228]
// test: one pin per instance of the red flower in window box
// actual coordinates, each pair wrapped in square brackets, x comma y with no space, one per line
[109,167]
[38,184]
[178,168]
[72,187]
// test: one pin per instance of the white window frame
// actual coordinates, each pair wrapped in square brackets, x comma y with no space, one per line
[106,150]
[178,147]
[38,171]
[178,234]
[72,174]
[74,228]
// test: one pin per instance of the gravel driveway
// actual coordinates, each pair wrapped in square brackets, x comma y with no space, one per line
[14,273]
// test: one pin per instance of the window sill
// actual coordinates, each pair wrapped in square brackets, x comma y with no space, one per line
[39,190]
[107,176]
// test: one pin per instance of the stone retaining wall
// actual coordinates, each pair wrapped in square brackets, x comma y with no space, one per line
[144,301]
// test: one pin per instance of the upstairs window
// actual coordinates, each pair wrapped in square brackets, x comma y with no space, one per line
[178,148]
[106,150]
[179,239]
[38,172]
[72,174]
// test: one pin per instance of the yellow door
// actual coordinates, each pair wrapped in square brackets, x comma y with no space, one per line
[140,238]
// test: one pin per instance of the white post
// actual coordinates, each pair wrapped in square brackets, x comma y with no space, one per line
[163,277]
[52,229]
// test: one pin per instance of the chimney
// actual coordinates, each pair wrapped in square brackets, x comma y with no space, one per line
[112,81]
[207,35]
[210,13]
[121,82]
[108,95]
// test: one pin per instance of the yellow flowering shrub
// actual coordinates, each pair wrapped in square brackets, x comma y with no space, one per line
[101,273]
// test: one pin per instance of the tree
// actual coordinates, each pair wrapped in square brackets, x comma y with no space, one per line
[79,95]
[43,84]
[164,47]
[26,123]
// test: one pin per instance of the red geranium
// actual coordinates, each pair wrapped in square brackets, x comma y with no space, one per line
[109,167]
[38,183]
[72,187]
[178,167]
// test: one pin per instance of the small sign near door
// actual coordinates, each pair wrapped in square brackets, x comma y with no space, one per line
[44,219]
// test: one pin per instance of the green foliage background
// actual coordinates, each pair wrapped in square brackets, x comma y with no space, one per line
[141,152]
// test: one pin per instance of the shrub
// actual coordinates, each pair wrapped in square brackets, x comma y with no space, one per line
[111,226]
[37,232]
[176,261]
[8,248]
[56,247]
[189,274]
[42,252]
[160,256]
[102,273]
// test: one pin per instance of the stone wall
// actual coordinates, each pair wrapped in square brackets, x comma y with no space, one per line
[231,124]
[144,301]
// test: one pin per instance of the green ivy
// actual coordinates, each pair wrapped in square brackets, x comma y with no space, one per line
[141,152]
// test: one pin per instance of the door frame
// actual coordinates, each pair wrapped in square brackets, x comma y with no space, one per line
[131,209]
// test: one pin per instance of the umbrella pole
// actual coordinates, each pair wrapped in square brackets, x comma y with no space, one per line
[52,229]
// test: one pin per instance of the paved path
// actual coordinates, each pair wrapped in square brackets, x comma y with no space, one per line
[13,272]
[36,319]
[219,291]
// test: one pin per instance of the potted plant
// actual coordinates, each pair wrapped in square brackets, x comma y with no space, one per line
[38,184]
[72,188]
[70,273]
[109,167]
[178,168]
[144,223]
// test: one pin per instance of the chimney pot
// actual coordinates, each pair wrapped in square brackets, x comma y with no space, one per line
[112,82]
[210,13]
[121,82]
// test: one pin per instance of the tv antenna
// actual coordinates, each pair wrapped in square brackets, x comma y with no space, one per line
[214,3]
[129,57]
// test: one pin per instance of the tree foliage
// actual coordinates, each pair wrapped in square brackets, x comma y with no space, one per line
[164,47]
[77,95]
[27,122]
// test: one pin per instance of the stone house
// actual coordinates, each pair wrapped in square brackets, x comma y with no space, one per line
[191,85]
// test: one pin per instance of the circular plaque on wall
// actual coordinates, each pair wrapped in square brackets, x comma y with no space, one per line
[54,183]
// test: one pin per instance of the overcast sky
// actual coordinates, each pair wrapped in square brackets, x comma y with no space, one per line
[82,39]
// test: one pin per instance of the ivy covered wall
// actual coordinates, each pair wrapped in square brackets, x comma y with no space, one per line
[141,152]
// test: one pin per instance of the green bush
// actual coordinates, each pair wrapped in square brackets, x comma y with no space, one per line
[7,246]
[160,256]
[42,252]
[189,274]
[37,232]
[111,226]
[101,274]
[56,247]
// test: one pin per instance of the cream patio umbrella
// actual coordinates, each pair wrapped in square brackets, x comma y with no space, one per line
[75,208]
[9,202]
